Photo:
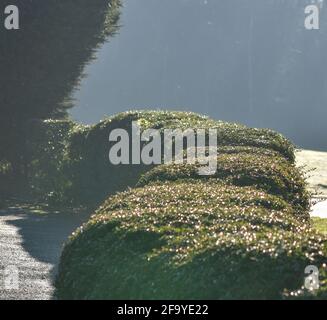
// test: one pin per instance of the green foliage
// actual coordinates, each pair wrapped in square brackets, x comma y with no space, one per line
[242,233]
[68,162]
[95,177]
[43,62]
[320,224]
[56,40]
[245,167]
[47,144]
[192,239]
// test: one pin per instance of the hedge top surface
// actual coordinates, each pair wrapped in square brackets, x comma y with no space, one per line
[244,167]
[227,133]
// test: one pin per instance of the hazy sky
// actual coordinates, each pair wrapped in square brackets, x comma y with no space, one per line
[248,61]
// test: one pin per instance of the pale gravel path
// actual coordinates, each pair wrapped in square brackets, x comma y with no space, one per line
[316,163]
[33,243]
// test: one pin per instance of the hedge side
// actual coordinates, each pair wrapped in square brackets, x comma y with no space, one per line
[191,239]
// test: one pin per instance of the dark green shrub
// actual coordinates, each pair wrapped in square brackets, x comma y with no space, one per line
[43,63]
[47,144]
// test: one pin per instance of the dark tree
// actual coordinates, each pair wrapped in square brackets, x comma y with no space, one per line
[43,62]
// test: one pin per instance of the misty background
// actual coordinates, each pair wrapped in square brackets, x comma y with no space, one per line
[248,61]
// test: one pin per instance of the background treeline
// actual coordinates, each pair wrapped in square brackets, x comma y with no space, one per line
[41,64]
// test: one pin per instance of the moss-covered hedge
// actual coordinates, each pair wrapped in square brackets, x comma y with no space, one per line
[242,233]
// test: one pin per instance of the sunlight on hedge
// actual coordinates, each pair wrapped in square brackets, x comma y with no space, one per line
[242,233]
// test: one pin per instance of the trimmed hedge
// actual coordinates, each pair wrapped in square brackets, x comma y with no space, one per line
[94,177]
[247,167]
[68,162]
[190,239]
[243,233]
